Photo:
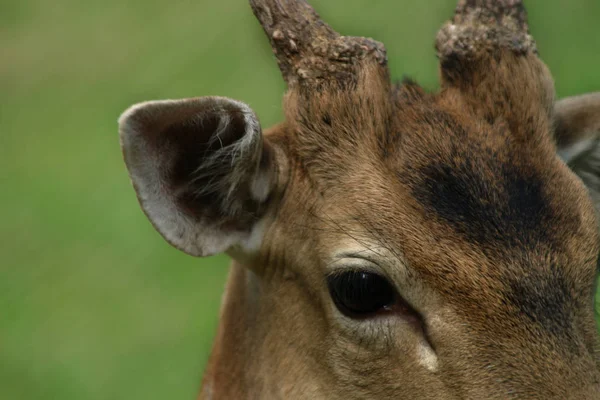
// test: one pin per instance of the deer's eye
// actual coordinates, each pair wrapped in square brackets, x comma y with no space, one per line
[360,293]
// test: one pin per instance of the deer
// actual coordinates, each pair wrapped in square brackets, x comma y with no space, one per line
[388,242]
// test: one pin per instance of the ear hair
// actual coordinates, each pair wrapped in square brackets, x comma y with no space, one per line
[201,170]
[577,121]
[232,160]
[577,136]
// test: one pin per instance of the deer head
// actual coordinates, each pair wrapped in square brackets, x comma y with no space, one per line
[389,242]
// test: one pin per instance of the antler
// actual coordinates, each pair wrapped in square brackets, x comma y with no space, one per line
[481,26]
[308,51]
[487,53]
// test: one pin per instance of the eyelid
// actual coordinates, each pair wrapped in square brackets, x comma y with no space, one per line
[360,255]
[396,268]
[358,260]
[345,264]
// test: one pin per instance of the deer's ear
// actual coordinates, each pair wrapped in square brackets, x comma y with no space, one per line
[577,136]
[202,172]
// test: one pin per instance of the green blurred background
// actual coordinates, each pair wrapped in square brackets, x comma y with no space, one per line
[93,303]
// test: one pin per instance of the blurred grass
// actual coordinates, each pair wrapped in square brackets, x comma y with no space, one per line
[93,303]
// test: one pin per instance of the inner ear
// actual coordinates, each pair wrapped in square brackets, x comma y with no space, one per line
[577,124]
[577,137]
[193,149]
[201,170]
[214,154]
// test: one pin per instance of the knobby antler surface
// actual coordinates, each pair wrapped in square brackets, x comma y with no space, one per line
[308,51]
[479,26]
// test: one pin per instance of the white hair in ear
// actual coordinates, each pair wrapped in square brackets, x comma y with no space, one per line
[219,142]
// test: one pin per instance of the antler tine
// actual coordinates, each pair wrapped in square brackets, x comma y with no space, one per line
[481,25]
[307,49]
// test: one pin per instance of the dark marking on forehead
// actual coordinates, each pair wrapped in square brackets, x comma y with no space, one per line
[487,201]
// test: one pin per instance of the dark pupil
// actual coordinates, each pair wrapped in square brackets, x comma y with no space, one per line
[357,293]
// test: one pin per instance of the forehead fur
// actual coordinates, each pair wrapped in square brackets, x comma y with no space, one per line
[327,126]
[478,211]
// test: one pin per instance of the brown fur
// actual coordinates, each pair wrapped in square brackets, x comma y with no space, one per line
[518,315]
[457,197]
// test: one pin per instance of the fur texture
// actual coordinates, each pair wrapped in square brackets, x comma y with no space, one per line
[458,198]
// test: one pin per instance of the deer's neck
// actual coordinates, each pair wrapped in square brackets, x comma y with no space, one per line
[263,345]
[225,375]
